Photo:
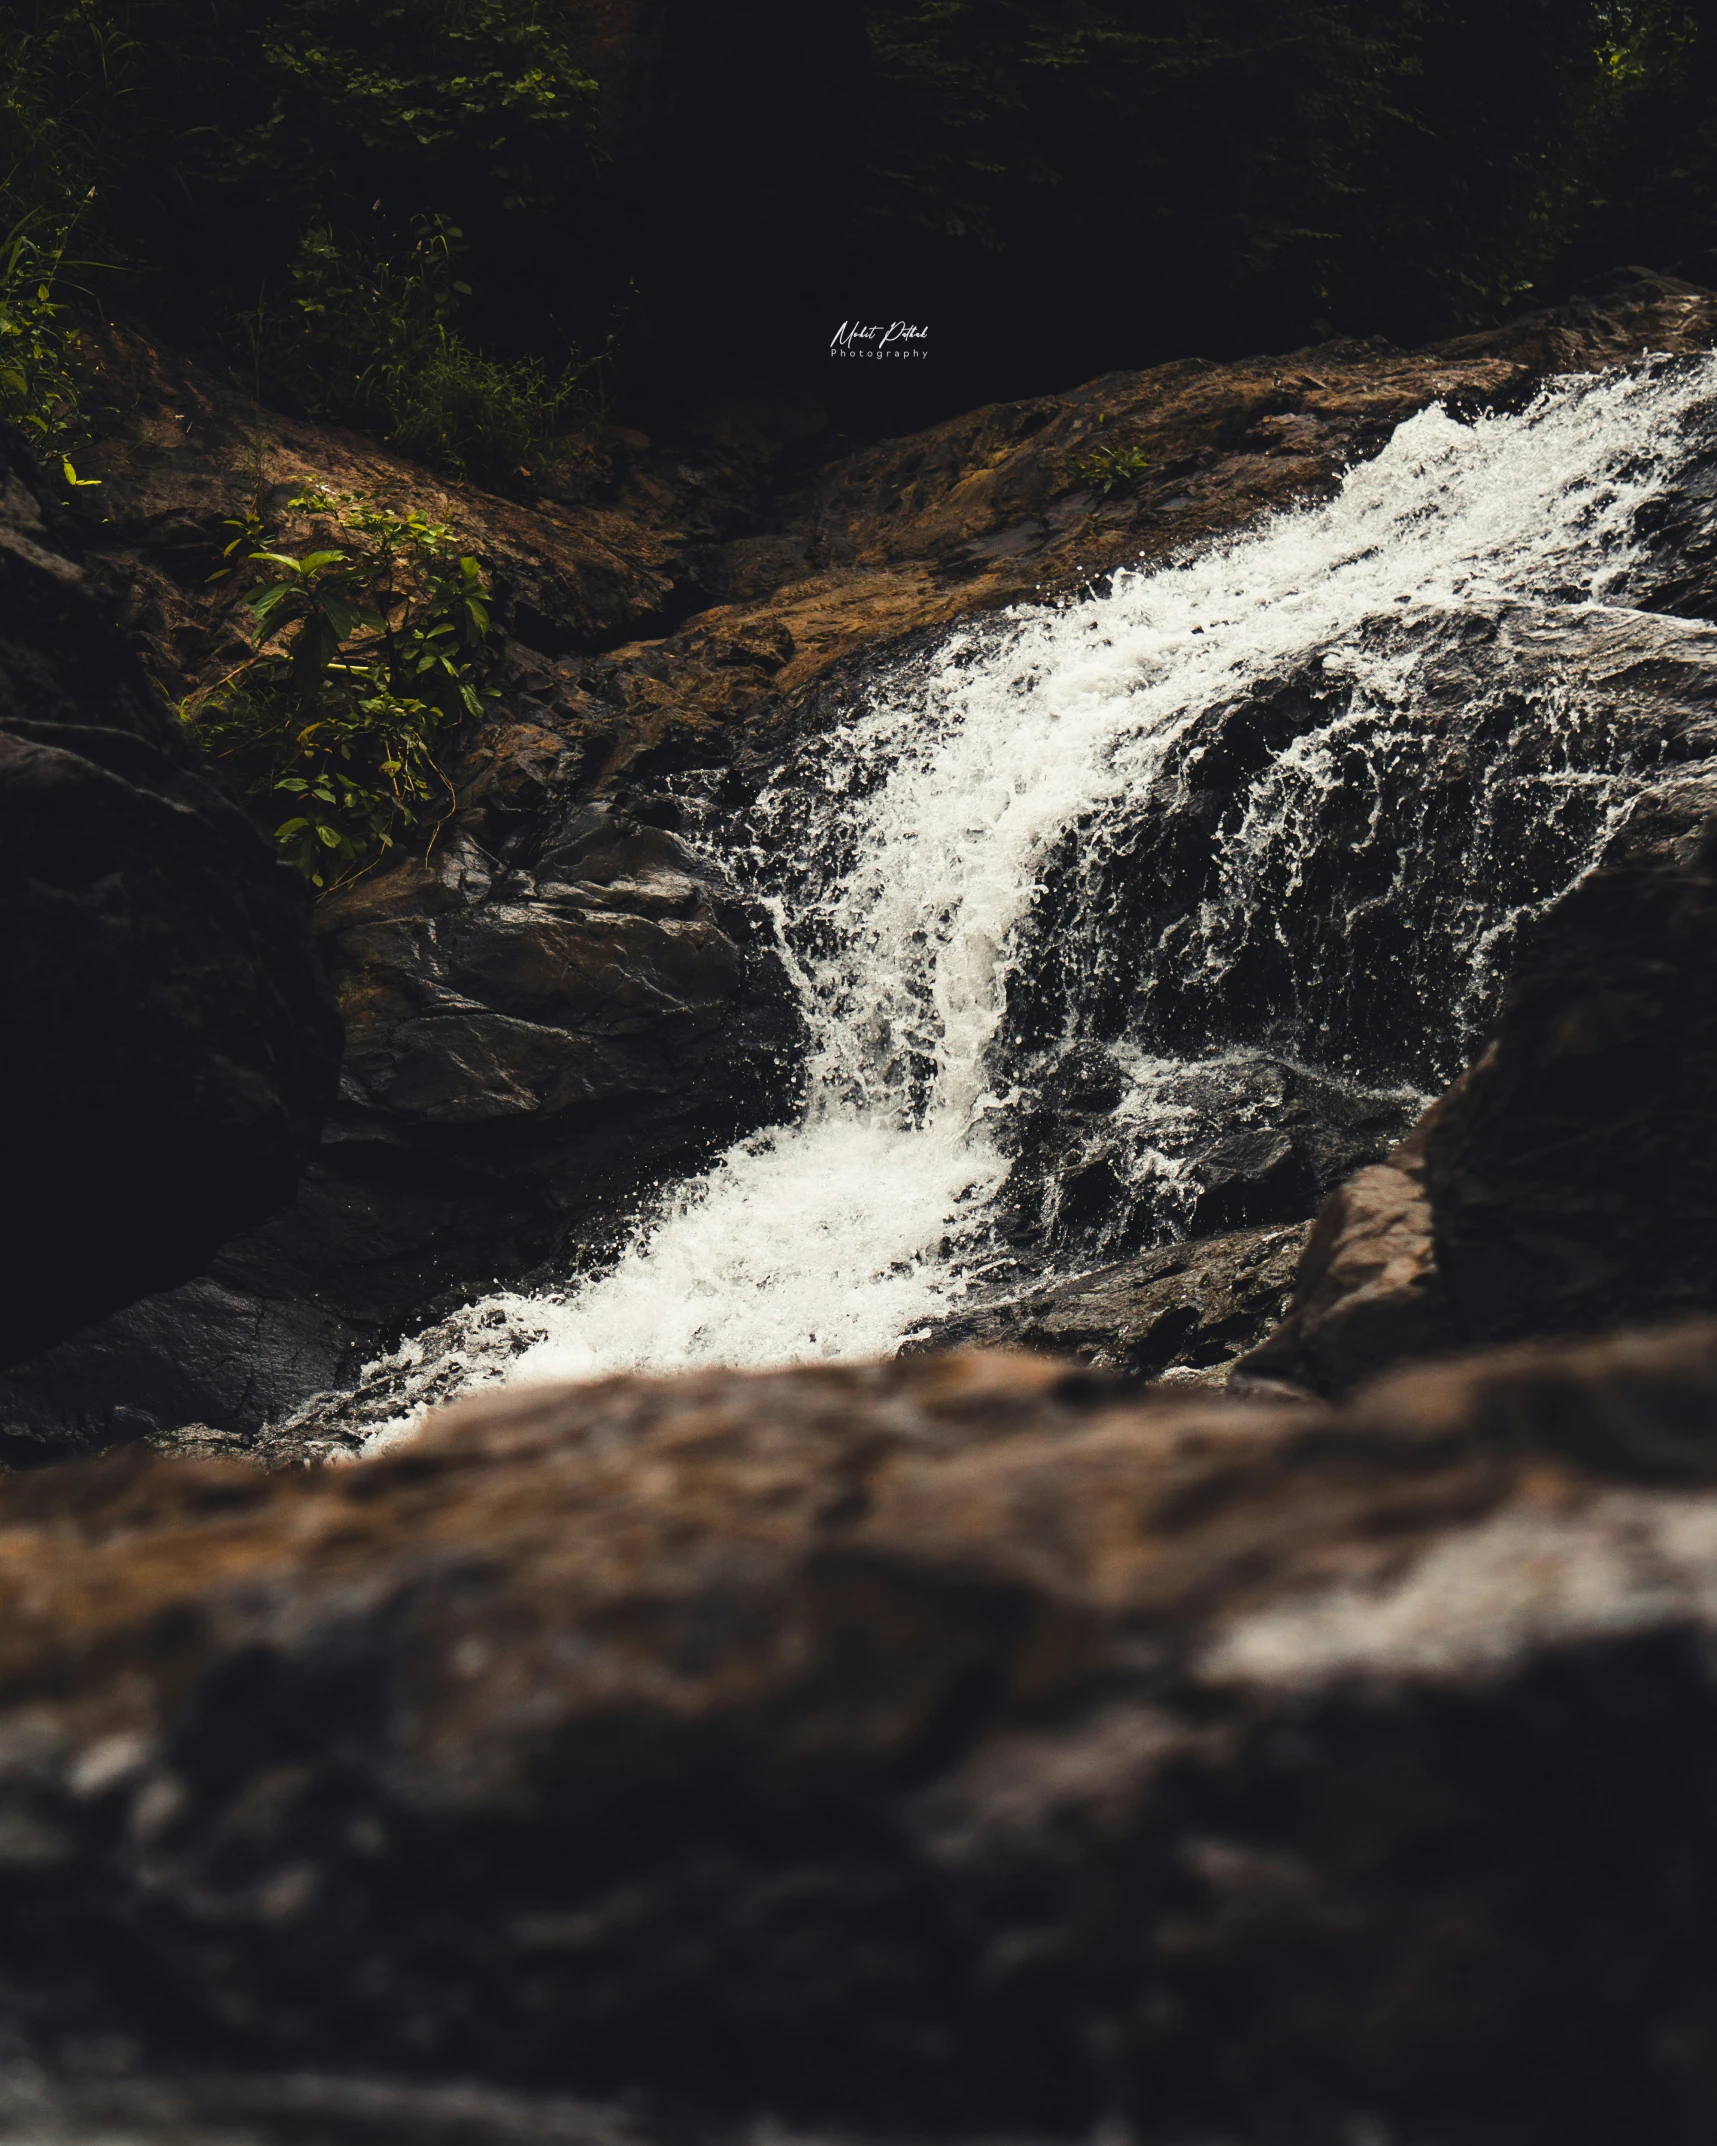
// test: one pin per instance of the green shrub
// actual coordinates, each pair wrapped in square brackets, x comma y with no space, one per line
[215,152]
[1107,467]
[371,340]
[366,652]
[38,382]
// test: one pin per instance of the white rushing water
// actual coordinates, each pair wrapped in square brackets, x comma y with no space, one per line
[906,853]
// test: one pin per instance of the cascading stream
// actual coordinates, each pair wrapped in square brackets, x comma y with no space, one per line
[948,869]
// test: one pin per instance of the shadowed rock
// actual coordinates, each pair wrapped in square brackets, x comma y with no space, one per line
[1566,1184]
[171,1043]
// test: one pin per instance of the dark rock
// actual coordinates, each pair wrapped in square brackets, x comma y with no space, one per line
[1299,923]
[943,1747]
[1566,1184]
[530,1053]
[172,1041]
[1330,925]
[1203,1145]
[1188,1308]
[1573,1177]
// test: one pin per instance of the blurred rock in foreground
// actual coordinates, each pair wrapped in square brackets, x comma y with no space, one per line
[947,1746]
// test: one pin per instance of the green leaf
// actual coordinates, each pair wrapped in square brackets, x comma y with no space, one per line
[345,618]
[266,601]
[315,647]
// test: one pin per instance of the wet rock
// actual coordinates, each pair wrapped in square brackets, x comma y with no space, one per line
[1273,946]
[1184,1309]
[172,1041]
[932,1746]
[529,1054]
[1565,1184]
[1116,1150]
[1298,864]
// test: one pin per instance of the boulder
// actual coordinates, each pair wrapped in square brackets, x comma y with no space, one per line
[173,1045]
[1367,1293]
[1566,1183]
[1572,1176]
[940,1747]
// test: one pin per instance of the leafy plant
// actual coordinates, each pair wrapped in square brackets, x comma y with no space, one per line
[38,387]
[1107,467]
[218,151]
[370,339]
[366,651]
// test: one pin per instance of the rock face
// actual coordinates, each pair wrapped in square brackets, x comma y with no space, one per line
[1566,1183]
[936,1746]
[674,613]
[172,1044]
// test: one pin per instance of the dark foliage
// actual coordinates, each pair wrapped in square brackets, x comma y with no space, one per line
[1093,183]
[1055,186]
[300,167]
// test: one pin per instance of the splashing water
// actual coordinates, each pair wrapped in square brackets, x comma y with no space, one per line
[907,859]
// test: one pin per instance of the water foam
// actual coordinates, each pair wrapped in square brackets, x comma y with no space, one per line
[904,855]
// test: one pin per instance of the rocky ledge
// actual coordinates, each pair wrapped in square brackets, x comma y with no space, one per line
[1184,1311]
[934,1748]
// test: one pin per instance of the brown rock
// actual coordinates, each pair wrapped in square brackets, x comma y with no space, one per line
[1368,1292]
[936,1744]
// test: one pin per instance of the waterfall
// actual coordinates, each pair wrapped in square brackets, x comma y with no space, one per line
[1095,887]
